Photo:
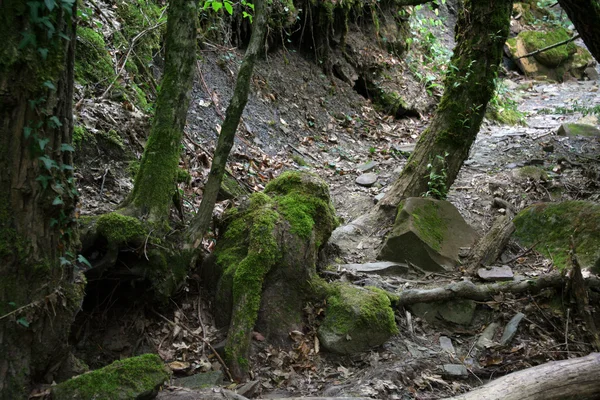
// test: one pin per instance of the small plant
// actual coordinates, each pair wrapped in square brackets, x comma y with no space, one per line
[436,185]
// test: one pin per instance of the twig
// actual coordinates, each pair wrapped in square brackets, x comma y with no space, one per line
[199,337]
[103,180]
[515,258]
[32,304]
[533,53]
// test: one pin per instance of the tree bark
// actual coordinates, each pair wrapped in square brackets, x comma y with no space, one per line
[585,15]
[481,31]
[199,225]
[39,292]
[575,378]
[155,183]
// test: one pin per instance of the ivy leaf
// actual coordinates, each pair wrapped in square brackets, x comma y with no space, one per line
[28,38]
[217,5]
[48,162]
[67,147]
[66,167]
[50,4]
[57,201]
[64,261]
[228,7]
[43,52]
[12,304]
[54,122]
[42,143]
[27,132]
[50,85]
[24,322]
[43,179]
[84,260]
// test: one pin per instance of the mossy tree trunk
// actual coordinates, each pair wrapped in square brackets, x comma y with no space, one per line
[585,15]
[39,292]
[199,225]
[155,183]
[481,31]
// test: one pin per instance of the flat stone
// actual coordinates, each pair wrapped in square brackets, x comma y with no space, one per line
[486,340]
[380,268]
[446,345]
[405,149]
[200,381]
[368,166]
[503,273]
[591,73]
[574,130]
[378,198]
[458,312]
[366,180]
[456,371]
[511,329]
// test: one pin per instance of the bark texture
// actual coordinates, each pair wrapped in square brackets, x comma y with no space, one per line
[199,225]
[585,15]
[155,183]
[575,378]
[39,294]
[481,31]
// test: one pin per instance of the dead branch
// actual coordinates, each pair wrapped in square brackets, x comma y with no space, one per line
[489,247]
[533,53]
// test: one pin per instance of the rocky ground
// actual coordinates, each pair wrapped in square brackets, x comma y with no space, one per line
[298,118]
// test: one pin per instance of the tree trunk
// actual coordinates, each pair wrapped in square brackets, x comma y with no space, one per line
[575,378]
[585,15]
[199,225]
[155,183]
[39,292]
[481,31]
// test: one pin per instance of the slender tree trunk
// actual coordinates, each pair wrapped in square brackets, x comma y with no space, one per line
[155,183]
[199,225]
[585,15]
[481,31]
[39,295]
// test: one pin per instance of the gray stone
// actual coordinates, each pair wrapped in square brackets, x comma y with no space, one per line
[380,268]
[574,130]
[405,149]
[511,329]
[503,273]
[200,381]
[368,166]
[591,73]
[446,345]
[455,371]
[429,234]
[486,340]
[366,180]
[458,312]
[378,198]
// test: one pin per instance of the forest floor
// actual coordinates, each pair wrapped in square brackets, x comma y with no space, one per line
[297,118]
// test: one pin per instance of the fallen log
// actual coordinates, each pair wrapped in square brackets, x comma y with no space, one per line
[489,247]
[576,378]
[483,292]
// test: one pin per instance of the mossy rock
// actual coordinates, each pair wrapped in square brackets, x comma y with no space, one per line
[93,63]
[133,378]
[231,189]
[550,226]
[120,229]
[427,233]
[536,40]
[356,319]
[577,129]
[530,172]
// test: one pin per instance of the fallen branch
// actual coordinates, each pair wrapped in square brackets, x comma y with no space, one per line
[533,53]
[574,378]
[489,247]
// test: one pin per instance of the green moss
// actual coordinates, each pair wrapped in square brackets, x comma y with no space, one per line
[125,379]
[93,63]
[113,138]
[532,172]
[430,226]
[134,168]
[551,225]
[535,40]
[183,176]
[117,228]
[299,160]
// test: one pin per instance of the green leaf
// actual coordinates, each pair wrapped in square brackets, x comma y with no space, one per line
[43,53]
[66,167]
[28,39]
[228,7]
[53,222]
[55,122]
[64,261]
[44,179]
[24,322]
[50,85]
[50,4]
[57,201]
[217,5]
[12,304]
[84,260]
[48,162]
[27,132]
[66,147]
[42,143]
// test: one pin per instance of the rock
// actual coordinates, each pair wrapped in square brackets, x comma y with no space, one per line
[589,119]
[446,345]
[367,167]
[591,73]
[457,311]
[230,189]
[405,149]
[179,393]
[573,130]
[378,198]
[380,268]
[511,329]
[530,172]
[549,226]
[366,180]
[455,371]
[200,381]
[486,340]
[429,234]
[356,319]
[503,273]
[132,378]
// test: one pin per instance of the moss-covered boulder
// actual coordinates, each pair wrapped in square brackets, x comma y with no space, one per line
[536,40]
[267,261]
[578,129]
[93,64]
[550,226]
[429,234]
[356,319]
[133,378]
